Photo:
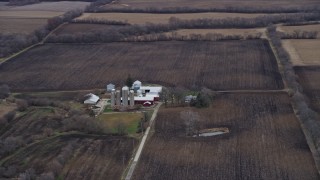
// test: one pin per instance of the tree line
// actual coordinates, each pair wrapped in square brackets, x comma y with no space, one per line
[99,21]
[307,116]
[131,33]
[298,34]
[98,8]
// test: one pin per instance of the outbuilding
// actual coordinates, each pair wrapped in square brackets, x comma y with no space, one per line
[92,99]
[110,87]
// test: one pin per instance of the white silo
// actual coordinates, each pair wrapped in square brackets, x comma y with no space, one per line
[118,98]
[136,85]
[113,97]
[125,92]
[131,98]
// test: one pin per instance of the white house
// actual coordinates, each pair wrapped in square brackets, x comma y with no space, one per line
[92,99]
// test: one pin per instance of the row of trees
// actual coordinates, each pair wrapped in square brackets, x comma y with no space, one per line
[260,21]
[133,32]
[99,21]
[298,34]
[308,117]
[229,9]
[11,43]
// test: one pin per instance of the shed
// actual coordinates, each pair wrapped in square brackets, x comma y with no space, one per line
[110,87]
[92,99]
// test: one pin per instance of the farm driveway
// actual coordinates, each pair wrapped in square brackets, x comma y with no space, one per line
[138,153]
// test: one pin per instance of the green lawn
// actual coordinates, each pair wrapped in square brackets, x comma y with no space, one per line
[129,120]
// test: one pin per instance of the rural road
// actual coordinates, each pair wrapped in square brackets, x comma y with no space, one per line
[138,153]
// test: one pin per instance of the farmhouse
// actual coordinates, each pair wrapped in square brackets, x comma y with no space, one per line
[92,99]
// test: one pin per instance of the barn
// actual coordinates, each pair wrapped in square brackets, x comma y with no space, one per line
[145,101]
[92,99]
[110,87]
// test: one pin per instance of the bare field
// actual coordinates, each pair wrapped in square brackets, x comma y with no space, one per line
[21,25]
[83,28]
[265,142]
[52,6]
[142,18]
[227,65]
[209,3]
[313,27]
[29,14]
[303,51]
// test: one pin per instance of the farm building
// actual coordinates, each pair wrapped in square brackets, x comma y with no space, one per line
[189,98]
[151,89]
[92,99]
[110,87]
[145,101]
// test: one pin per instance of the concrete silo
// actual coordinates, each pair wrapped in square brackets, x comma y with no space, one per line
[118,98]
[131,98]
[113,97]
[125,92]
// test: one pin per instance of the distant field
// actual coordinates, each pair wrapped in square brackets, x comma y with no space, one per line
[314,27]
[26,19]
[83,28]
[142,18]
[29,14]
[303,51]
[210,3]
[52,6]
[265,142]
[21,25]
[227,65]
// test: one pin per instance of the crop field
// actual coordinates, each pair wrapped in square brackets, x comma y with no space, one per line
[265,142]
[142,18]
[291,29]
[309,79]
[208,3]
[83,28]
[303,51]
[83,156]
[225,65]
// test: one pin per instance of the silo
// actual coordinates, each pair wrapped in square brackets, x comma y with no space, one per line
[118,98]
[125,92]
[113,98]
[131,98]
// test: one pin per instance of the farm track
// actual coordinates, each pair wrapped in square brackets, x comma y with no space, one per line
[133,164]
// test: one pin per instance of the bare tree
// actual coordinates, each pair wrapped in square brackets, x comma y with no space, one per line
[191,122]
